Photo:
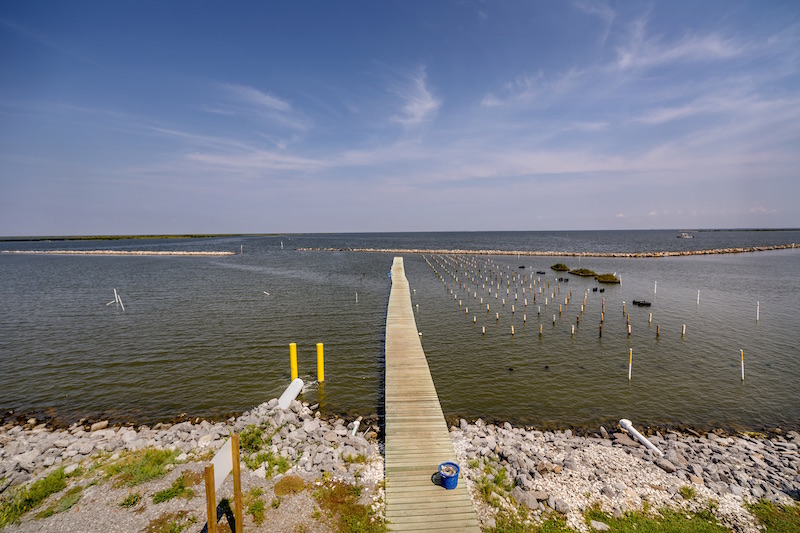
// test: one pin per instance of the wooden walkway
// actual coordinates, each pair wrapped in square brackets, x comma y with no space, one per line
[417,438]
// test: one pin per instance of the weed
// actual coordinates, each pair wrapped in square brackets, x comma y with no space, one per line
[341,503]
[251,439]
[254,504]
[289,485]
[269,460]
[171,522]
[473,464]
[130,500]
[776,518]
[276,502]
[140,467]
[687,492]
[355,459]
[22,501]
[178,488]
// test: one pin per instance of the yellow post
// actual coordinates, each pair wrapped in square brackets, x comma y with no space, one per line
[293,359]
[320,363]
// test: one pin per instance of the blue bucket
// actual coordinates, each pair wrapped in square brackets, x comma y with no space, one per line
[449,473]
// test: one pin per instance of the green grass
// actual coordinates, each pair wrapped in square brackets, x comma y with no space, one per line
[776,518]
[70,498]
[585,272]
[178,488]
[560,267]
[24,500]
[140,467]
[667,520]
[340,501]
[507,521]
[355,459]
[131,499]
[289,485]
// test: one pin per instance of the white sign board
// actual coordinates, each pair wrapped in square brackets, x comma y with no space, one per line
[223,463]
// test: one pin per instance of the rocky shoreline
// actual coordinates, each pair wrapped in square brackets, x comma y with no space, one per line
[559,471]
[542,253]
[544,471]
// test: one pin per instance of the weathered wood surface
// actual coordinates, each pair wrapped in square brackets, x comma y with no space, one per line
[417,439]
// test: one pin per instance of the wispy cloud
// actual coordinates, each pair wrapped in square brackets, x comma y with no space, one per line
[256,98]
[642,50]
[600,9]
[419,103]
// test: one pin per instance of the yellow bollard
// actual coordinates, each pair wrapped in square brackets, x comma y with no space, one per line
[320,362]
[293,359]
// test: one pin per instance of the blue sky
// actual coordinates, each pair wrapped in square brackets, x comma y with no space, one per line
[195,117]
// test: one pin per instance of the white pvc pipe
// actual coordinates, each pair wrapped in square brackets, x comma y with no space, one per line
[290,393]
[626,424]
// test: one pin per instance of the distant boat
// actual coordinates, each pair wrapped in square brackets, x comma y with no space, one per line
[685,235]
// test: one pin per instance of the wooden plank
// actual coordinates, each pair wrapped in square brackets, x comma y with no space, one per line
[416,433]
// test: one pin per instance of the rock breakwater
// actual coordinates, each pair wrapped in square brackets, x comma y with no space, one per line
[558,471]
[542,253]
[113,252]
[311,444]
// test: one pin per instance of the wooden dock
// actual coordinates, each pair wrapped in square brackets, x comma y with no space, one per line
[417,438]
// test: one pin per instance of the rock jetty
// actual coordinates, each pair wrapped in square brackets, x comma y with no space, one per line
[558,471]
[542,253]
[113,252]
[312,444]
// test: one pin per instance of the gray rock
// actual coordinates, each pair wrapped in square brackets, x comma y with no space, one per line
[99,425]
[603,432]
[525,498]
[599,526]
[624,440]
[665,465]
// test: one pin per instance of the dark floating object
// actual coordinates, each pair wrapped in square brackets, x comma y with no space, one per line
[602,290]
[594,289]
[547,367]
[521,266]
[511,369]
[540,272]
[641,303]
[566,280]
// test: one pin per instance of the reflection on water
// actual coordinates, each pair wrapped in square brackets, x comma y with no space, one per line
[200,336]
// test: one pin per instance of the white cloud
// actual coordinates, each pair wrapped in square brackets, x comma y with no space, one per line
[420,104]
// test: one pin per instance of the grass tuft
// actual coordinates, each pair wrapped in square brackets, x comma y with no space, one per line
[671,520]
[131,499]
[179,487]
[289,485]
[687,492]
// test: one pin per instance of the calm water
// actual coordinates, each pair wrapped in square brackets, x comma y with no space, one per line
[199,336]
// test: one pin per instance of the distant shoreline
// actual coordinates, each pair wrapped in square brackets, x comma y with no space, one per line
[110,252]
[542,253]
